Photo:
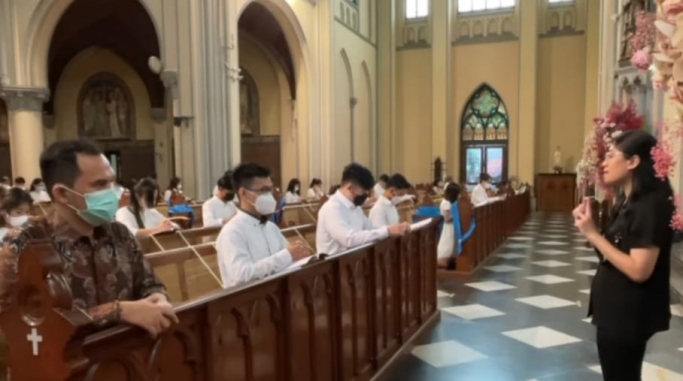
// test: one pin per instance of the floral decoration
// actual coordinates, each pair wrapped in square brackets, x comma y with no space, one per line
[643,40]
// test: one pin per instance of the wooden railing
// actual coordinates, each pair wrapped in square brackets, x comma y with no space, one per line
[342,318]
[495,221]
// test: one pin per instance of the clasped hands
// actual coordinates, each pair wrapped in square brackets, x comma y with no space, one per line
[153,313]
[583,218]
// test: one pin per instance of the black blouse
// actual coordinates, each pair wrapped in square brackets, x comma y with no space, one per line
[619,304]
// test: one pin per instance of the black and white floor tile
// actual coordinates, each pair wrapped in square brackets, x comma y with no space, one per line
[522,317]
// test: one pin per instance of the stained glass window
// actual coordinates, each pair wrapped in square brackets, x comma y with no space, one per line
[484,126]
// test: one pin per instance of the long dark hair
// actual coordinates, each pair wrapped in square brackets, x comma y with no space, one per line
[640,143]
[173,184]
[34,184]
[145,190]
[292,186]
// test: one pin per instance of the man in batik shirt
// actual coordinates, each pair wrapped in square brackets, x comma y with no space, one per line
[109,278]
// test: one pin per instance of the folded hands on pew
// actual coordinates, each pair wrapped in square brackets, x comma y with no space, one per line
[153,313]
[298,250]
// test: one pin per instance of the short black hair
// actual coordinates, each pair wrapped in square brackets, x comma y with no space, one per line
[173,184]
[359,175]
[4,179]
[59,161]
[398,181]
[225,181]
[244,174]
[384,177]
[315,182]
[15,198]
[19,180]
[484,177]
[452,192]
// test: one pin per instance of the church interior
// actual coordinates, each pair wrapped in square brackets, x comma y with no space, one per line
[439,91]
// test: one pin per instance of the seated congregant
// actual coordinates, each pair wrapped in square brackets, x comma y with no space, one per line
[293,194]
[20,183]
[178,204]
[5,183]
[315,190]
[141,216]
[342,224]
[38,191]
[91,246]
[220,208]
[480,193]
[250,246]
[15,210]
[378,189]
[384,212]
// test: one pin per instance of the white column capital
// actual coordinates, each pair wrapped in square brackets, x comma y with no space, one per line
[25,98]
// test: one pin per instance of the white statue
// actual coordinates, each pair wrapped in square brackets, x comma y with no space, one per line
[113,114]
[557,160]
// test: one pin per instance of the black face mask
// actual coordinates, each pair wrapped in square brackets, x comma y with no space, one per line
[229,197]
[360,199]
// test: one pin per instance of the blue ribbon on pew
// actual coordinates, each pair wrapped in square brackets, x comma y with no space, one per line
[455,212]
[182,209]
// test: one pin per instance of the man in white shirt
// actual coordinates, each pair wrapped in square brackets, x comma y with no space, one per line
[381,185]
[342,224]
[250,246]
[480,191]
[220,208]
[384,212]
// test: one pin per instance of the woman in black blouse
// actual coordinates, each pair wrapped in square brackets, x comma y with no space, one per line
[630,292]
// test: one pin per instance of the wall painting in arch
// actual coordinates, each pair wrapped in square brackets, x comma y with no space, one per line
[484,135]
[106,110]
[249,105]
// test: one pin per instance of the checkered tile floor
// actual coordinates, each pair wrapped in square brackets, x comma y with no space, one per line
[522,316]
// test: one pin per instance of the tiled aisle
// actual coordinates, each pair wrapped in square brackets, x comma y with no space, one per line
[523,317]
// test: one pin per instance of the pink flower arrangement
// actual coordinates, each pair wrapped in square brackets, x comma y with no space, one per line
[677,219]
[664,156]
[642,40]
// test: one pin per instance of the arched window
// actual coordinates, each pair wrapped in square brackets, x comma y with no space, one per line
[484,136]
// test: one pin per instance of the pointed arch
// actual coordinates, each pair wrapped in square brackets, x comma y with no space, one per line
[484,131]
[349,72]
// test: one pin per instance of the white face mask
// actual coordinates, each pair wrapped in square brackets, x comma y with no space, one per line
[16,221]
[296,189]
[487,185]
[265,204]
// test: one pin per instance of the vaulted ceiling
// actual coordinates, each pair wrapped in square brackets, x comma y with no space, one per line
[261,25]
[122,26]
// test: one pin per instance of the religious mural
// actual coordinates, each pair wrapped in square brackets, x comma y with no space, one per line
[4,123]
[106,109]
[484,134]
[249,105]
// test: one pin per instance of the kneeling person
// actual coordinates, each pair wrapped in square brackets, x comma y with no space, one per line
[250,246]
[384,212]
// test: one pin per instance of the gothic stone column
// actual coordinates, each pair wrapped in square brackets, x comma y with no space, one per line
[25,107]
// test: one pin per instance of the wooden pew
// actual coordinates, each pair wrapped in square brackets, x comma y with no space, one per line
[187,277]
[495,221]
[342,318]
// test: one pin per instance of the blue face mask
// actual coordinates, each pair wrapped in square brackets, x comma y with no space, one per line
[101,206]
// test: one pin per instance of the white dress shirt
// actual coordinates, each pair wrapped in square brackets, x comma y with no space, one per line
[248,250]
[151,218]
[479,195]
[292,198]
[40,196]
[214,210]
[384,213]
[378,190]
[3,232]
[342,225]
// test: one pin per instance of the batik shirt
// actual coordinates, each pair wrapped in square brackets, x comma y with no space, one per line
[101,269]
